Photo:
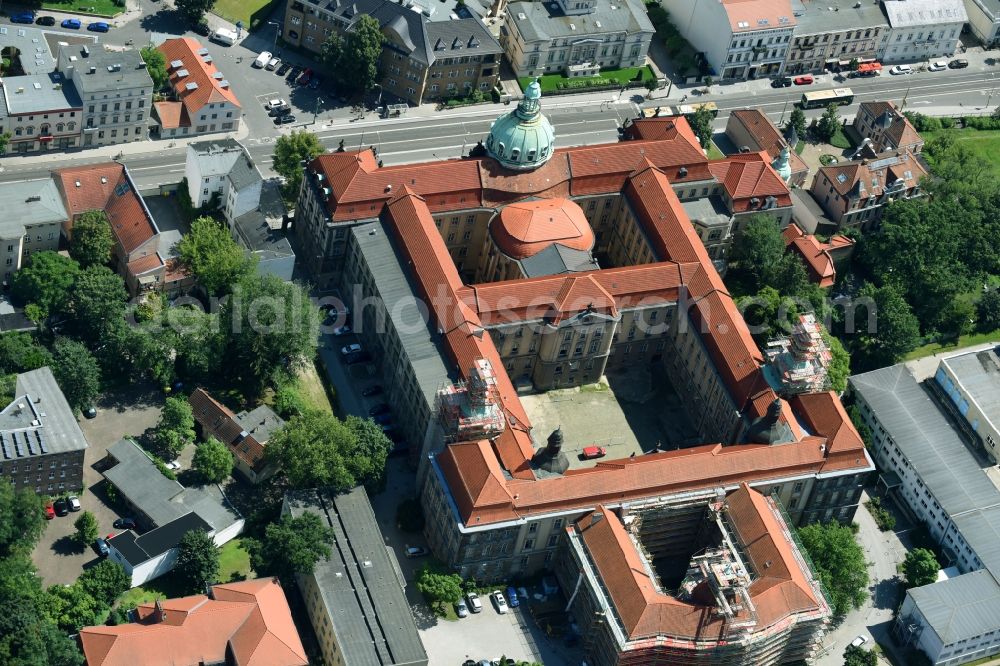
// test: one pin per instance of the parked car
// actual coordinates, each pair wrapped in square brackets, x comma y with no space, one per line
[90,412]
[262,60]
[372,390]
[74,503]
[591,452]
[342,330]
[958,63]
[174,465]
[461,609]
[901,69]
[512,598]
[279,111]
[498,601]
[416,551]
[803,80]
[44,20]
[859,641]
[275,103]
[475,605]
[782,82]
[98,26]
[304,77]
[350,349]
[124,524]
[101,546]
[283,69]
[284,118]
[379,409]
[23,17]
[293,74]
[62,507]
[358,357]
[71,24]
[938,66]
[50,512]
[273,64]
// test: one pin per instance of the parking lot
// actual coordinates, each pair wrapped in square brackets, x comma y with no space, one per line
[58,559]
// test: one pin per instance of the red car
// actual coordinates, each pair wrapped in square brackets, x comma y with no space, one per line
[50,511]
[803,80]
[304,77]
[591,452]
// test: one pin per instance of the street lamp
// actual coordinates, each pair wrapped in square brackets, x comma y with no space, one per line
[277,30]
[378,102]
[319,103]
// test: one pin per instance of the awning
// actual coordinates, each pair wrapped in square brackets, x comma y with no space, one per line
[45,139]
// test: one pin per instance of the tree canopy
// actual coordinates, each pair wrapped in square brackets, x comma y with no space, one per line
[354,58]
[105,581]
[45,282]
[77,372]
[21,352]
[22,519]
[840,563]
[758,259]
[988,311]
[97,303]
[317,450]
[858,656]
[290,546]
[156,65]
[920,567]
[213,460]
[91,243]
[193,10]
[215,259]
[894,332]
[86,529]
[828,124]
[439,587]
[290,151]
[197,561]
[701,124]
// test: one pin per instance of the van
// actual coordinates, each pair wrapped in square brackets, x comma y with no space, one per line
[224,36]
[262,60]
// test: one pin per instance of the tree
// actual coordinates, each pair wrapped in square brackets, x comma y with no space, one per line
[156,65]
[45,282]
[317,449]
[839,368]
[767,314]
[197,561]
[988,311]
[86,529]
[920,567]
[105,581]
[98,303]
[215,259]
[290,151]
[213,460]
[798,121]
[290,546]
[4,141]
[22,519]
[76,370]
[828,125]
[91,243]
[858,656]
[840,563]
[701,124]
[271,330]
[72,607]
[439,587]
[895,331]
[288,401]
[20,352]
[354,58]
[758,259]
[178,417]
[958,318]
[193,11]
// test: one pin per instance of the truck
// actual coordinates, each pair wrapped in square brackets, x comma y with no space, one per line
[225,36]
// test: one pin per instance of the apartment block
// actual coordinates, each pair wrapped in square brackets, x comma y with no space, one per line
[922,29]
[830,34]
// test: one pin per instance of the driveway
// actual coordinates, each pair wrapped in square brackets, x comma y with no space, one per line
[58,559]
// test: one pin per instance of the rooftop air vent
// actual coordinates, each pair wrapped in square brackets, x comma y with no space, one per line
[682,172]
[217,76]
[181,73]
[174,64]
[32,199]
[93,70]
[223,83]
[77,183]
[104,179]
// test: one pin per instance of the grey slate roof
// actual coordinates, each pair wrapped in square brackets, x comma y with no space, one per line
[819,16]
[35,93]
[960,607]
[138,549]
[557,259]
[224,157]
[261,422]
[979,375]
[256,235]
[39,421]
[19,196]
[361,586]
[916,13]
[545,20]
[113,70]
[935,451]
[464,37]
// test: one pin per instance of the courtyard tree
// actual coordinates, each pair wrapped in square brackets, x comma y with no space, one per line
[839,368]
[840,563]
[215,259]
[354,58]
[86,529]
[22,519]
[72,607]
[175,427]
[798,121]
[77,372]
[213,460]
[828,124]
[759,260]
[290,546]
[701,124]
[46,282]
[91,242]
[193,11]
[920,567]
[156,65]
[98,302]
[439,587]
[291,151]
[987,311]
[20,352]
[197,561]
[858,656]
[105,581]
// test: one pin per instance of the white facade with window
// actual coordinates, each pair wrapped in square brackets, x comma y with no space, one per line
[922,29]
[972,382]
[984,20]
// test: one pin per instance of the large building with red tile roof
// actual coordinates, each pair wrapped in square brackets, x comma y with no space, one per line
[456,347]
[203,101]
[819,257]
[753,130]
[245,434]
[243,624]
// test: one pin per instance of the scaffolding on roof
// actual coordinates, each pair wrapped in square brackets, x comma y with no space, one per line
[471,409]
[800,360]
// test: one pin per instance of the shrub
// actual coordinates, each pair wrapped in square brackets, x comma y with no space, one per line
[883,518]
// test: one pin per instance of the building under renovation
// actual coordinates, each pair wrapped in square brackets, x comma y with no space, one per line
[797,363]
[696,582]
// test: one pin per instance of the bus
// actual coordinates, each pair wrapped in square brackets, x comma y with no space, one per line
[681,110]
[824,98]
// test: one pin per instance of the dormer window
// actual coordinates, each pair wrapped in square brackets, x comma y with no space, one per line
[501,149]
[515,154]
[531,155]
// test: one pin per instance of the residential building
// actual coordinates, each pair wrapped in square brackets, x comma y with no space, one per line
[831,33]
[926,464]
[115,89]
[430,51]
[854,193]
[355,598]
[41,112]
[972,382]
[884,127]
[37,225]
[203,101]
[262,233]
[575,38]
[740,39]
[245,622]
[821,258]
[165,510]
[747,584]
[222,168]
[751,129]
[245,434]
[922,29]
[984,20]
[42,444]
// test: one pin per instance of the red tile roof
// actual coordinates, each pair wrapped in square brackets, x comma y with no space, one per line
[172,114]
[526,228]
[900,134]
[766,136]
[815,254]
[749,179]
[209,89]
[249,620]
[220,422]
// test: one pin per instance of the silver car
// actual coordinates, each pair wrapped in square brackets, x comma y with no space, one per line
[461,609]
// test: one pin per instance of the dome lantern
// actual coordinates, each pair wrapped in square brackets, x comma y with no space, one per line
[523,139]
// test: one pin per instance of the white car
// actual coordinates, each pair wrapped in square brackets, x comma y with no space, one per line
[901,69]
[74,503]
[342,330]
[938,66]
[272,63]
[275,103]
[262,60]
[859,641]
[498,601]
[174,465]
[350,349]
[475,605]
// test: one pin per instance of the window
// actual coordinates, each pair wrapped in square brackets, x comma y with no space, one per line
[528,544]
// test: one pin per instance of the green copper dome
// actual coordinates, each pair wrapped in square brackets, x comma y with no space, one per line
[781,164]
[523,139]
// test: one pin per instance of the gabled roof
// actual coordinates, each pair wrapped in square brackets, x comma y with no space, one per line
[816,255]
[766,136]
[749,180]
[200,73]
[900,131]
[870,177]
[751,15]
[218,419]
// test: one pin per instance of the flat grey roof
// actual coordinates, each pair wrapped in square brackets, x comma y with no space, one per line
[960,607]
[397,292]
[558,259]
[710,210]
[915,13]
[259,237]
[112,70]
[36,202]
[807,212]
[819,16]
[545,20]
[39,421]
[933,448]
[979,374]
[38,93]
[34,45]
[361,586]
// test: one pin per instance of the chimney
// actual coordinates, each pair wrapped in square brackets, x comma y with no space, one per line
[596,517]
[93,70]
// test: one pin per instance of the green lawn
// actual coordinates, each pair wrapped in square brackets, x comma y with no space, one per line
[964,341]
[714,153]
[95,7]
[239,10]
[840,140]
[550,82]
[984,143]
[164,587]
[313,390]
[234,562]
